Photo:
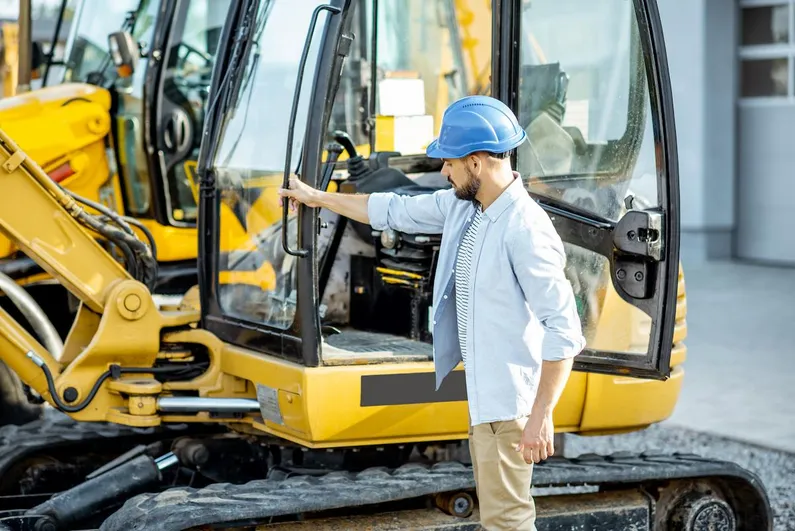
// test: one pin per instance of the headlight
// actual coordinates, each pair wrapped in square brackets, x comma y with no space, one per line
[389,238]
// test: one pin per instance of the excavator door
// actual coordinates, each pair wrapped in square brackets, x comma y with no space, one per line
[589,83]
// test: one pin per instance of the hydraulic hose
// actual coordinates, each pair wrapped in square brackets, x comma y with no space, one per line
[115,372]
[141,261]
[34,315]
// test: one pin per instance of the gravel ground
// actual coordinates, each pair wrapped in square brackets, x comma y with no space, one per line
[775,468]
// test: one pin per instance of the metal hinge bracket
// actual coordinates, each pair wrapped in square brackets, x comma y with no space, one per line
[639,233]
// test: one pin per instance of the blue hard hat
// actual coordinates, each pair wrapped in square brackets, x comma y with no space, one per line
[476,123]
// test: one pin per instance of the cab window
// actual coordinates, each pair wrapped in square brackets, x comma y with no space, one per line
[584,102]
[422,65]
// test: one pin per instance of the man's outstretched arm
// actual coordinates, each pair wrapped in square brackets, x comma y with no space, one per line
[353,206]
[411,214]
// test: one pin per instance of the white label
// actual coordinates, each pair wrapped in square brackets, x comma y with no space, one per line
[401,97]
[413,134]
[268,399]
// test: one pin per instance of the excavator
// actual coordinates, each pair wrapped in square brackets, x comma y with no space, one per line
[89,128]
[293,386]
[119,140]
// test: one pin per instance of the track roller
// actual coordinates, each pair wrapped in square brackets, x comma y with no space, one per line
[458,504]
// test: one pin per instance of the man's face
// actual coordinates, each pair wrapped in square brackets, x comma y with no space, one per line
[463,175]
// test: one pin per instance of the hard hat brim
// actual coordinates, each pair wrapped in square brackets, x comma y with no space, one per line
[435,151]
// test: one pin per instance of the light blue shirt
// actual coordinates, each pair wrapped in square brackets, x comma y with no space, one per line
[521,305]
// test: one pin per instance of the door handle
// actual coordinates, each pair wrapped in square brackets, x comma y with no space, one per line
[301,253]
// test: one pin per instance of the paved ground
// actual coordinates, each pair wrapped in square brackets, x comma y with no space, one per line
[740,370]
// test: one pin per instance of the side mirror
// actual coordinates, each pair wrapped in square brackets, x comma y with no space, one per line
[124,52]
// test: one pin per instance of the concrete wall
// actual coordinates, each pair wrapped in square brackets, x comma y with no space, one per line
[766,190]
[700,41]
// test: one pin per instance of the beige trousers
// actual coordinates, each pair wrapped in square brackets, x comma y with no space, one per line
[502,478]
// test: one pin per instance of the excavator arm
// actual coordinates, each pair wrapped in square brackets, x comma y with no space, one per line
[118,327]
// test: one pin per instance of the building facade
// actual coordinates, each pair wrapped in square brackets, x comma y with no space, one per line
[733,80]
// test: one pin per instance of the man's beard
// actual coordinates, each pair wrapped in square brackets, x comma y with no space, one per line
[469,190]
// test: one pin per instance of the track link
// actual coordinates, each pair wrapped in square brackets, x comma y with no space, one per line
[56,430]
[178,509]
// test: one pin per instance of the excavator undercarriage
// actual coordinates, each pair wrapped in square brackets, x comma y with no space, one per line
[176,478]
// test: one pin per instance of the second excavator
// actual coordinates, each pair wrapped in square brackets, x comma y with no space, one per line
[294,386]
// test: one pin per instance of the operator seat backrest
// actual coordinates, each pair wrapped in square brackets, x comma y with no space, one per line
[549,149]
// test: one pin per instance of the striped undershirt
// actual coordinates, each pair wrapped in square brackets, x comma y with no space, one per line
[462,269]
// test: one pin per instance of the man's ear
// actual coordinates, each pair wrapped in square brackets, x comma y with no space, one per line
[475,164]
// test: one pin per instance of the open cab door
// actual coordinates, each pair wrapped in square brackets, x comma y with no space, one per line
[589,83]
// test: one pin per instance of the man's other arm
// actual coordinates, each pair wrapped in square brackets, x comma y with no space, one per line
[539,259]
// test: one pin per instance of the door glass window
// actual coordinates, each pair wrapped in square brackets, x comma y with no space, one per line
[257,279]
[186,86]
[422,66]
[584,102]
[609,323]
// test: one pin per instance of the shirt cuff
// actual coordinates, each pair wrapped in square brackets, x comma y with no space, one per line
[556,347]
[378,210]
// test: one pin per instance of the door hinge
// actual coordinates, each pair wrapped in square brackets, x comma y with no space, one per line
[639,233]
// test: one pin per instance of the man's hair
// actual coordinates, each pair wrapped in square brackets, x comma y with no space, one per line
[504,155]
[500,156]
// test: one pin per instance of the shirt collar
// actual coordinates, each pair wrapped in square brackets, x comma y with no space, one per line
[514,191]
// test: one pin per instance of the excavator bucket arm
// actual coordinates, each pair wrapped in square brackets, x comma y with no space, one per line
[117,325]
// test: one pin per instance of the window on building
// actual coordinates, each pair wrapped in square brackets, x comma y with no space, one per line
[767,49]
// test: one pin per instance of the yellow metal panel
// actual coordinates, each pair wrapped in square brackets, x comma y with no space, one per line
[620,402]
[173,243]
[55,125]
[321,407]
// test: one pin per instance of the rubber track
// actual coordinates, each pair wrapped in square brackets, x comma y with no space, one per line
[182,508]
[55,430]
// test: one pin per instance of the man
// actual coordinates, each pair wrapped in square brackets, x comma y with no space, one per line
[502,303]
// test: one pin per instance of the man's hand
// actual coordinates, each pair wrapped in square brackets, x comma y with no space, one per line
[539,433]
[353,206]
[300,192]
[538,438]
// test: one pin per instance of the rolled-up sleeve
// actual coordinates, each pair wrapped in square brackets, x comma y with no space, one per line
[423,213]
[539,259]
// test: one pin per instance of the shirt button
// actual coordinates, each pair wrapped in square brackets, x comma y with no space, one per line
[445,296]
